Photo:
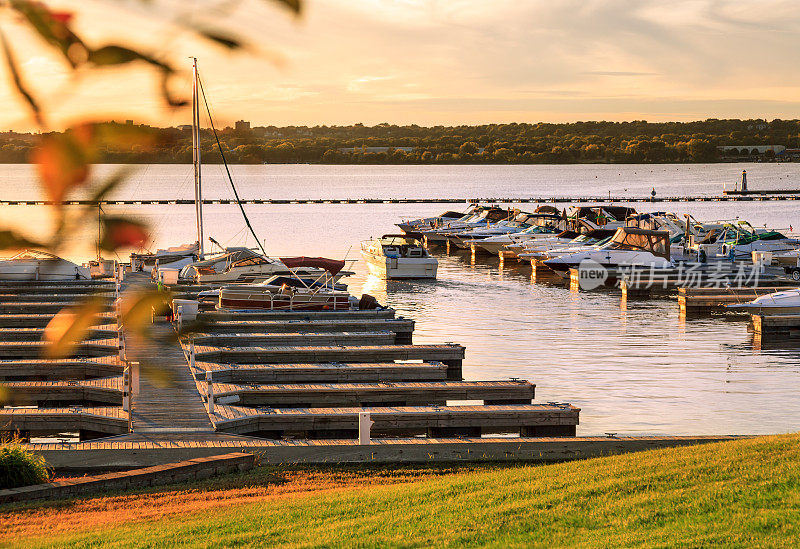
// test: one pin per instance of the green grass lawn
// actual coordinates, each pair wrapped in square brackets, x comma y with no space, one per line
[735,494]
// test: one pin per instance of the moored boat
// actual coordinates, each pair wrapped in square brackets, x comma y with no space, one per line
[398,256]
[39,265]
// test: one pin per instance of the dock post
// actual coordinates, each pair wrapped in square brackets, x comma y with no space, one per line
[210,392]
[126,388]
[121,347]
[134,378]
[191,354]
[180,318]
[364,426]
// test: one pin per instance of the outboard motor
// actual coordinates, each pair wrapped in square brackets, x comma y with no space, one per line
[367,302]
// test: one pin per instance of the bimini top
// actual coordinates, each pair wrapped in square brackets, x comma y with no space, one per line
[36,255]
[333,266]
[632,238]
[398,240]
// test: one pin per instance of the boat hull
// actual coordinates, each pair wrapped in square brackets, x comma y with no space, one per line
[389,268]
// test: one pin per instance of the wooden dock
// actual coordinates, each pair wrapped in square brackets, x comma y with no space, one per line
[81,396]
[433,421]
[129,451]
[705,301]
[385,393]
[451,355]
[323,372]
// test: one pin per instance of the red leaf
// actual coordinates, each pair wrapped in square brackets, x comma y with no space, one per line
[119,232]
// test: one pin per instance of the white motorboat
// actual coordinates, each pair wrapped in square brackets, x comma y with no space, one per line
[783,302]
[243,265]
[479,217]
[628,247]
[39,265]
[175,257]
[412,227]
[538,250]
[398,256]
[498,243]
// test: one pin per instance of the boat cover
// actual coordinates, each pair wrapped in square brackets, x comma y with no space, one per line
[333,266]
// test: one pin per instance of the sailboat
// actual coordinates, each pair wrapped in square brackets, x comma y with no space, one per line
[231,265]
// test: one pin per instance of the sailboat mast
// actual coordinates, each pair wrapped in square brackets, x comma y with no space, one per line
[198,194]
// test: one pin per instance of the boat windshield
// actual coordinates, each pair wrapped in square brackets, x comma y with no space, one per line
[627,238]
[35,255]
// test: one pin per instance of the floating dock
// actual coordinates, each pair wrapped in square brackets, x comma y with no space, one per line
[290,386]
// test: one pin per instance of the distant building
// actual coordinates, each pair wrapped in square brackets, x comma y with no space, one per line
[185,127]
[129,122]
[242,126]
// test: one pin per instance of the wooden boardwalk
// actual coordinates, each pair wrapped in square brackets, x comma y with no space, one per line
[92,392]
[330,372]
[168,400]
[132,451]
[42,369]
[400,393]
[435,421]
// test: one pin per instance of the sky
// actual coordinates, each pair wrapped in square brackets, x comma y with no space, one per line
[432,62]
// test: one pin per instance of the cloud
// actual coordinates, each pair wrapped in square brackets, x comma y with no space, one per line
[467,61]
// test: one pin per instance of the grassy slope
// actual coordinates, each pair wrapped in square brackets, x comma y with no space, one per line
[744,493]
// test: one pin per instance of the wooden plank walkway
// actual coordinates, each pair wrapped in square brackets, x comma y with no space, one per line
[40,320]
[296,339]
[92,422]
[132,451]
[172,406]
[399,326]
[435,421]
[449,354]
[60,297]
[315,395]
[333,372]
[699,301]
[36,349]
[43,369]
[38,307]
[92,392]
[35,334]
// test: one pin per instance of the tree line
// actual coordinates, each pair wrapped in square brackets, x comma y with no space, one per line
[517,143]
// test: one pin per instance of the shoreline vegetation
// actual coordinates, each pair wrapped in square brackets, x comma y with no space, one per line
[636,142]
[742,493]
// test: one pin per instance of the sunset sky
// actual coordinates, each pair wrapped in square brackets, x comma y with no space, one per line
[443,62]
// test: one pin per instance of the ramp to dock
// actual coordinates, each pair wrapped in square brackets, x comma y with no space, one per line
[167,400]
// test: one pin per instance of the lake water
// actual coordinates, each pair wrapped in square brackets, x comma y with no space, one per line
[631,368]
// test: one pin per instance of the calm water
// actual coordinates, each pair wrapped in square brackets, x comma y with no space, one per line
[635,368]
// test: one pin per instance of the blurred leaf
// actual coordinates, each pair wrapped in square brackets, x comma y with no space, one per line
[125,136]
[63,161]
[15,241]
[111,183]
[119,55]
[220,38]
[69,327]
[16,78]
[121,232]
[167,94]
[136,308]
[54,28]
[6,395]
[156,374]
[295,5]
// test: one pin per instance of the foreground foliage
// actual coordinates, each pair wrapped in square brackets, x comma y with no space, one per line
[741,494]
[19,467]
